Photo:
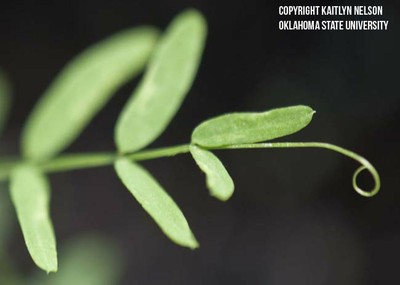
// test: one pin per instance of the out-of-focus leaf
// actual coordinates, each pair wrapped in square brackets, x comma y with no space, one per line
[5,218]
[238,128]
[88,260]
[8,273]
[83,87]
[30,194]
[5,90]
[156,202]
[166,82]
[5,167]
[218,180]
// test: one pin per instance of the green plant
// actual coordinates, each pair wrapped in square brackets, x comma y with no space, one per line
[84,87]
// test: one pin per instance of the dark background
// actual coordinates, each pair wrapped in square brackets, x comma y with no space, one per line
[294,218]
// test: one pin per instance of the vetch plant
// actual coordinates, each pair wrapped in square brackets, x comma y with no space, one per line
[86,84]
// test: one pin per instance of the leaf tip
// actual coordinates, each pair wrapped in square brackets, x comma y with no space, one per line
[48,267]
[192,13]
[52,270]
[193,244]
[188,240]
[310,112]
[305,107]
[195,17]
[222,197]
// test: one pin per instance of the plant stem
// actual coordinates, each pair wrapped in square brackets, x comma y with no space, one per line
[79,161]
[158,153]
[90,160]
[365,164]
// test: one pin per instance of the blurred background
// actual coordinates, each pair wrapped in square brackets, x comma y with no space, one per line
[294,218]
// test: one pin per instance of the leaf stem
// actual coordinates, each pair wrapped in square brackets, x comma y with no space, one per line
[365,164]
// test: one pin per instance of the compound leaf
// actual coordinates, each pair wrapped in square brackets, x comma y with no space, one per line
[30,194]
[166,82]
[83,87]
[156,202]
[5,90]
[238,128]
[218,180]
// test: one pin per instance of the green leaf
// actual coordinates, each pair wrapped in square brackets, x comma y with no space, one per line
[5,90]
[166,82]
[88,260]
[218,180]
[30,194]
[83,87]
[238,128]
[156,202]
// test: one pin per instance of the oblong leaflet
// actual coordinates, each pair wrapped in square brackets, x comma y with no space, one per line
[239,128]
[82,88]
[156,202]
[30,194]
[169,76]
[218,180]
